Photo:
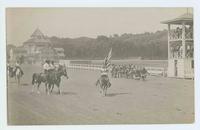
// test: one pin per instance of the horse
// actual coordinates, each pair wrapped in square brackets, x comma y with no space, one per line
[54,78]
[131,74]
[137,75]
[10,71]
[37,79]
[104,84]
[18,74]
[143,74]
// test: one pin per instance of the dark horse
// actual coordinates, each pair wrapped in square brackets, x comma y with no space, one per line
[54,78]
[141,74]
[37,79]
[15,72]
[104,84]
[50,78]
[11,71]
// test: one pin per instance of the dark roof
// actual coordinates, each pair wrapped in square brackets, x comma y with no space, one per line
[38,38]
[187,18]
[37,33]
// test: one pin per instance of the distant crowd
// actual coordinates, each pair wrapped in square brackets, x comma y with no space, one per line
[128,71]
[177,33]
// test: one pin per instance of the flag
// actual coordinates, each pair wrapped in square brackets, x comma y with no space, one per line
[107,61]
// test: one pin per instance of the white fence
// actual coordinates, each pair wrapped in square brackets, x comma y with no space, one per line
[84,66]
[154,71]
[157,71]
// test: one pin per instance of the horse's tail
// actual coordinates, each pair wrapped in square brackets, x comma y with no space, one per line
[33,78]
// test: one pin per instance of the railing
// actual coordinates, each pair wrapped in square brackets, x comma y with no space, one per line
[157,71]
[176,34]
[189,34]
[154,71]
[84,66]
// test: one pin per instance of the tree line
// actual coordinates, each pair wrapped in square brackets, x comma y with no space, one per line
[146,45]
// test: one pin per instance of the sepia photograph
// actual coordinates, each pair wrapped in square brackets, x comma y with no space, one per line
[100,66]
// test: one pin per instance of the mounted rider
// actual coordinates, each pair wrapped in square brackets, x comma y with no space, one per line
[144,72]
[104,70]
[51,66]
[17,66]
[46,66]
[104,75]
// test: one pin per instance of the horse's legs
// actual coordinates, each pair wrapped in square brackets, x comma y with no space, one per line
[33,86]
[104,90]
[38,86]
[46,89]
[100,88]
[59,90]
[18,80]
[52,88]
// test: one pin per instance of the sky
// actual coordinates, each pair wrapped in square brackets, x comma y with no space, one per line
[85,22]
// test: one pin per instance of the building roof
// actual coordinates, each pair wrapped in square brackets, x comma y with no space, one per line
[37,33]
[38,38]
[187,18]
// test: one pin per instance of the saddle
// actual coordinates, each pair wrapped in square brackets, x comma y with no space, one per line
[105,80]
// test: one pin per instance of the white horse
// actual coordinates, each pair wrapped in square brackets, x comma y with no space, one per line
[18,75]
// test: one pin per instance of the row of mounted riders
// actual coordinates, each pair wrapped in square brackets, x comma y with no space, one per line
[49,77]
[129,71]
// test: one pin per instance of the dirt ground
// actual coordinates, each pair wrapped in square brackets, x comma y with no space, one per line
[157,100]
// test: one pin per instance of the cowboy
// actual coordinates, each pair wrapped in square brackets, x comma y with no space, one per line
[17,66]
[104,75]
[51,66]
[46,66]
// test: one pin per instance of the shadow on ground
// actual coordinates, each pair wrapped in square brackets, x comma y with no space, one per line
[115,94]
[64,93]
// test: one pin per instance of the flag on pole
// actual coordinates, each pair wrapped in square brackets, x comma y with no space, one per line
[107,61]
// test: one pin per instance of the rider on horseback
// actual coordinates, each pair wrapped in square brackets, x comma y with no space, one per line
[46,66]
[51,66]
[104,75]
[17,66]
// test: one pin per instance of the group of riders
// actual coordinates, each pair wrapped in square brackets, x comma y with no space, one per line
[51,76]
[129,71]
[12,69]
[49,66]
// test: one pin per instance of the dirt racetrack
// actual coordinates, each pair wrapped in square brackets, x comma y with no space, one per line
[157,100]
